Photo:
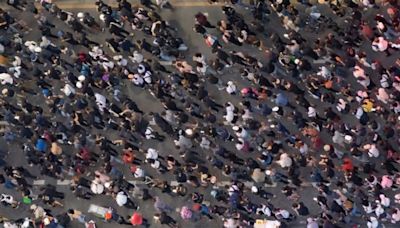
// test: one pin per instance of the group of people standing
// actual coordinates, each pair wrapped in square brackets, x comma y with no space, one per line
[293,100]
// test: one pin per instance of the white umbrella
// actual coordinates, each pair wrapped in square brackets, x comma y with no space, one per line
[121,199]
[97,188]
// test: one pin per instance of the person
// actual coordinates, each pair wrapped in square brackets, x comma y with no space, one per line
[301,139]
[165,219]
[75,214]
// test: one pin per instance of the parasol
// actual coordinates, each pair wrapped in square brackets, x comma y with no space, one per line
[97,188]
[121,199]
[6,79]
[186,213]
[137,219]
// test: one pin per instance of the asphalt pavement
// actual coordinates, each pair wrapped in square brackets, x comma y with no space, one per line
[182,18]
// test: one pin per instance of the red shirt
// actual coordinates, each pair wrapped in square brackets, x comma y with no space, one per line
[347,165]
[85,154]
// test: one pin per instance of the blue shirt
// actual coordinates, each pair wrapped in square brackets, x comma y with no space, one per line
[281,100]
[9,185]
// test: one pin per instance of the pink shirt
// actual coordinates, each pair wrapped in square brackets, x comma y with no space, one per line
[386,182]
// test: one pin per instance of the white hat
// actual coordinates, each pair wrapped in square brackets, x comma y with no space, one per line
[4,91]
[254,189]
[102,17]
[275,109]
[297,61]
[380,25]
[189,132]
[117,57]
[123,62]
[79,84]
[268,172]
[81,78]
[235,128]
[367,146]
[230,83]
[327,147]
[37,49]
[46,221]
[107,184]
[80,15]
[348,138]
[30,43]
[213,179]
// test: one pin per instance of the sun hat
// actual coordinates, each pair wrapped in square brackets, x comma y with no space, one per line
[81,78]
[189,132]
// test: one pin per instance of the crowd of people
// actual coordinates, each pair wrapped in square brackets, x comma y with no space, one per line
[308,113]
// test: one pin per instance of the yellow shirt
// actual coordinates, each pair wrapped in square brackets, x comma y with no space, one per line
[367,106]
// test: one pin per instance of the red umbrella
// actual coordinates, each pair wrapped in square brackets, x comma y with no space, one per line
[136,219]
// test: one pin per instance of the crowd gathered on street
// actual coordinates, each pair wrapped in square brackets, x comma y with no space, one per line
[258,116]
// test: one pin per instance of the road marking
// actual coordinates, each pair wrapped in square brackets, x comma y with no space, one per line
[39,182]
[64,182]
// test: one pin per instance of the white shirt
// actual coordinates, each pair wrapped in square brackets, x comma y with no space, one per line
[68,90]
[359,113]
[147,77]
[152,154]
[304,149]
[311,112]
[205,143]
[373,224]
[247,115]
[100,101]
[139,172]
[229,116]
[373,151]
[155,164]
[137,80]
[284,213]
[7,198]
[200,59]
[368,209]
[265,210]
[385,201]
[231,88]
[324,72]
[137,57]
[396,216]
[379,210]
[121,199]
[380,45]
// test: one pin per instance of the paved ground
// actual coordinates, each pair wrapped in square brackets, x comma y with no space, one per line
[181,18]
